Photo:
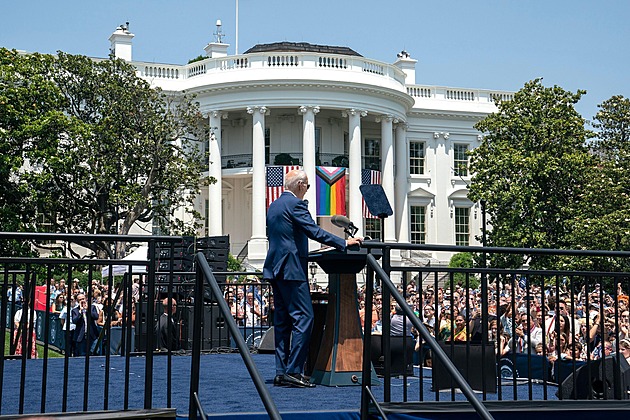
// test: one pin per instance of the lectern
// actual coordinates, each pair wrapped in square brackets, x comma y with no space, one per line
[340,358]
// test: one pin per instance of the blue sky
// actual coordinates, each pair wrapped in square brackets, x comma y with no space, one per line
[576,44]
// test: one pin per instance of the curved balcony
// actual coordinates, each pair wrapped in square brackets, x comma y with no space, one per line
[232,68]
[244,160]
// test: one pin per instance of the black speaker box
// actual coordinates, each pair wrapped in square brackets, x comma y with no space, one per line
[607,378]
[401,351]
[166,253]
[176,264]
[222,242]
[142,325]
[215,254]
[185,242]
[177,279]
[470,363]
[214,330]
[267,343]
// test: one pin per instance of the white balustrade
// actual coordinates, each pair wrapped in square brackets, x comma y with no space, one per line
[313,60]
[460,95]
[162,72]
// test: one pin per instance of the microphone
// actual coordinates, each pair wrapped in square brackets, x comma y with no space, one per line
[341,221]
[345,223]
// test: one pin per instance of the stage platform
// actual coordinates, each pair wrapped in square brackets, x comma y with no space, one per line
[226,391]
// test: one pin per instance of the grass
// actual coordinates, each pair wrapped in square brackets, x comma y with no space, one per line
[40,348]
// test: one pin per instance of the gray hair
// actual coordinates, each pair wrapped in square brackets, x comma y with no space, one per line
[293,179]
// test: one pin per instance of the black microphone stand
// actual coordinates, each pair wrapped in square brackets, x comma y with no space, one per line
[351,230]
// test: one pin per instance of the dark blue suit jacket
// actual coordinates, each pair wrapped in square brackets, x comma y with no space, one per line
[289,226]
[77,319]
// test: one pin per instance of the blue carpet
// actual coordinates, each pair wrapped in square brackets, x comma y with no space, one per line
[225,387]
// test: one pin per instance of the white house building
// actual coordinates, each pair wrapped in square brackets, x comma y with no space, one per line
[313,105]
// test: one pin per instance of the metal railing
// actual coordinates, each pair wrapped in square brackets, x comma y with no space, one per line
[508,294]
[515,323]
[204,276]
[374,268]
[44,333]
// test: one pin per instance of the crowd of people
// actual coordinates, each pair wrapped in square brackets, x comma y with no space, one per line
[564,325]
[569,325]
[83,315]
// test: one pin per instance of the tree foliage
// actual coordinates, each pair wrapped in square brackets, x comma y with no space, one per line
[531,169]
[604,222]
[103,149]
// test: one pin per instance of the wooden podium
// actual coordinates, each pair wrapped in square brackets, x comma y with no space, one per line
[340,358]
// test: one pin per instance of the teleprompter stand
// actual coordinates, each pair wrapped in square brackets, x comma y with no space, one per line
[340,358]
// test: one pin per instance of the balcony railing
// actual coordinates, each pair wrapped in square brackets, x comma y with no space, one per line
[422,92]
[271,60]
[244,160]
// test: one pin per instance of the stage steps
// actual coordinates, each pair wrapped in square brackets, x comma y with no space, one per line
[154,413]
[509,410]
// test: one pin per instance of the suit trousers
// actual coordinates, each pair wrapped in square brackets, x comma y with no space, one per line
[293,324]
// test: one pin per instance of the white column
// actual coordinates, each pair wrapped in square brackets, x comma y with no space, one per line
[355,212]
[402,180]
[308,154]
[308,160]
[257,248]
[387,178]
[215,209]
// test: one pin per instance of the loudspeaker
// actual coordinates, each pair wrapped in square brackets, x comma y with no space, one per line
[399,355]
[142,325]
[267,342]
[470,364]
[215,254]
[607,378]
[222,242]
[176,264]
[214,331]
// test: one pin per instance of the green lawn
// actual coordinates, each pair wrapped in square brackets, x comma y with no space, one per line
[40,348]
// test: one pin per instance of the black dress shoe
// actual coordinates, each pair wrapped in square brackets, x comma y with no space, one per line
[295,380]
[278,380]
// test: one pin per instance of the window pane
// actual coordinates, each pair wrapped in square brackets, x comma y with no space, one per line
[373,228]
[418,228]
[460,160]
[372,154]
[416,157]
[462,229]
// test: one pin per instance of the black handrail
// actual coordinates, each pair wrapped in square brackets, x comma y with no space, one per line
[199,407]
[376,404]
[481,410]
[203,272]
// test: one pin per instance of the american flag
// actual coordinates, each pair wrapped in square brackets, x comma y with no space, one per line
[275,181]
[369,176]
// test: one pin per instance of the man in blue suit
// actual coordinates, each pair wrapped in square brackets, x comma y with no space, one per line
[289,226]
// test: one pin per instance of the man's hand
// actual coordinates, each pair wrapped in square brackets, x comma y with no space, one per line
[354,241]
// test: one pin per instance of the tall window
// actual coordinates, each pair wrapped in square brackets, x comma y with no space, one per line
[462,226]
[460,160]
[416,157]
[418,227]
[206,218]
[373,228]
[267,145]
[372,154]
[318,145]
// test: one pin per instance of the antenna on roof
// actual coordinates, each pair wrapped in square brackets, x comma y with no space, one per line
[219,34]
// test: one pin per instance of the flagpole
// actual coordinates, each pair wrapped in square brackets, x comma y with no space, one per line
[236,46]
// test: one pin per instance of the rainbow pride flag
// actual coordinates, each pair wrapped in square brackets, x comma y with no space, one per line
[331,190]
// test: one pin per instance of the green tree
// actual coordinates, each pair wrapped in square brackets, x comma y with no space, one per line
[531,167]
[30,106]
[464,260]
[605,221]
[117,151]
